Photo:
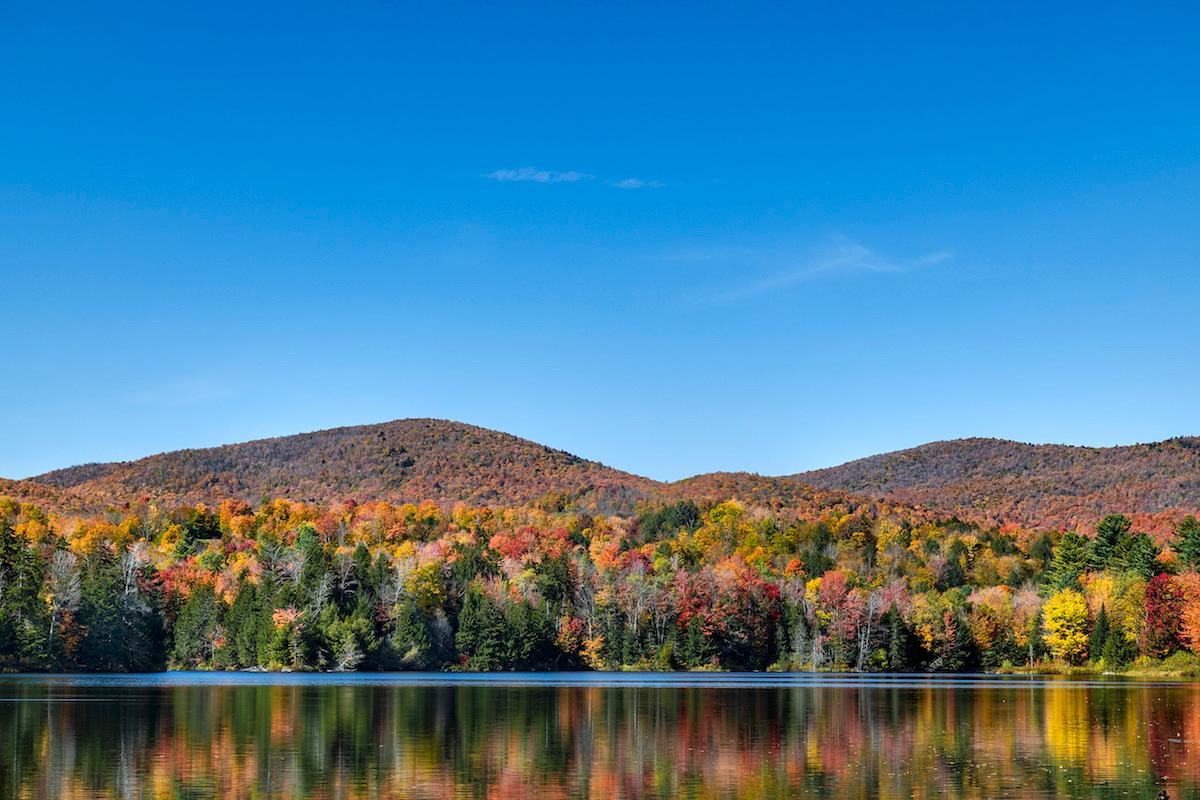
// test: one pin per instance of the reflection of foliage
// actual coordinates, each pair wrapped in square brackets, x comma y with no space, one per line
[843,743]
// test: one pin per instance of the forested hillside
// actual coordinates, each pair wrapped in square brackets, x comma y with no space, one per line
[843,584]
[406,460]
[990,482]
[436,545]
[993,481]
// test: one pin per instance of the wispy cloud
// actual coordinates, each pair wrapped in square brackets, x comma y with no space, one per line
[842,257]
[635,183]
[534,175]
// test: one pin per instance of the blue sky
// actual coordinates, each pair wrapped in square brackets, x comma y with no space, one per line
[674,238]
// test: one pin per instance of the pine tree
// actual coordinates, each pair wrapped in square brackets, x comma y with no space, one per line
[482,638]
[22,614]
[410,640]
[531,637]
[197,629]
[1109,533]
[1069,561]
[1100,634]
[102,646]
[242,623]
[899,642]
[1137,555]
[698,648]
[361,575]
[1187,542]
[1118,650]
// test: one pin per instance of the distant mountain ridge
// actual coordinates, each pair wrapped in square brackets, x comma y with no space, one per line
[990,481]
[402,460]
[1046,485]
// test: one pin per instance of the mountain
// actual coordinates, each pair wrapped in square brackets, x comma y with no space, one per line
[404,460]
[986,481]
[994,481]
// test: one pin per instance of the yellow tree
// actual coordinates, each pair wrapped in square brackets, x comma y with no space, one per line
[1064,623]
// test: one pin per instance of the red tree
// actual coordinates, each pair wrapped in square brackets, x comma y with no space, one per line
[1164,609]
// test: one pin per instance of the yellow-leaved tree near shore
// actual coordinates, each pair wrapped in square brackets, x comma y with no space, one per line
[1065,626]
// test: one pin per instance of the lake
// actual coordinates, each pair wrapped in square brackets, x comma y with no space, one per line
[240,735]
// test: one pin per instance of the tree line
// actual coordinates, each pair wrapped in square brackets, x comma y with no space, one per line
[714,585]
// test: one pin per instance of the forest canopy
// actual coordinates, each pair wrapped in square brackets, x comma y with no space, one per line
[683,585]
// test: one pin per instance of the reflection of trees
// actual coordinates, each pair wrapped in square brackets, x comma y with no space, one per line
[473,741]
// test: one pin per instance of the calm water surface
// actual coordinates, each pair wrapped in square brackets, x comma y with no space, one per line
[201,735]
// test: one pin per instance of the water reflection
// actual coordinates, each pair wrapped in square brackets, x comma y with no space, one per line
[853,739]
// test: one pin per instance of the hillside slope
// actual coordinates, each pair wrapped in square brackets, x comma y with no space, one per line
[403,460]
[987,481]
[996,481]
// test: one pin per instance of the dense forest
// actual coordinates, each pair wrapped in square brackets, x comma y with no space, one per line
[681,585]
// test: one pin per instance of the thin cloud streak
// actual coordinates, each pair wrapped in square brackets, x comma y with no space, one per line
[635,183]
[844,257]
[534,175]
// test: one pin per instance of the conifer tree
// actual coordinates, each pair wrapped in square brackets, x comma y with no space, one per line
[1137,555]
[1109,533]
[1100,634]
[1187,542]
[1069,561]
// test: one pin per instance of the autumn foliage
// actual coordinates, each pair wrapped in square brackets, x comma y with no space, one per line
[708,584]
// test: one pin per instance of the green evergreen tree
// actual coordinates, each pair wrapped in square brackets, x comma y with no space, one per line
[1187,542]
[197,629]
[1109,533]
[698,648]
[1100,633]
[531,642]
[411,641]
[242,624]
[1117,650]
[349,641]
[1137,555]
[1069,561]
[102,648]
[361,576]
[482,639]
[1042,550]
[899,640]
[314,583]
[22,614]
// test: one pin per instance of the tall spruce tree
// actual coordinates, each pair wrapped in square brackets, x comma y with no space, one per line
[1069,561]
[1110,531]
[1100,633]
[22,614]
[1137,555]
[1187,542]
[483,636]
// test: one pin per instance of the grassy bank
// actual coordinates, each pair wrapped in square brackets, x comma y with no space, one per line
[1177,665]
